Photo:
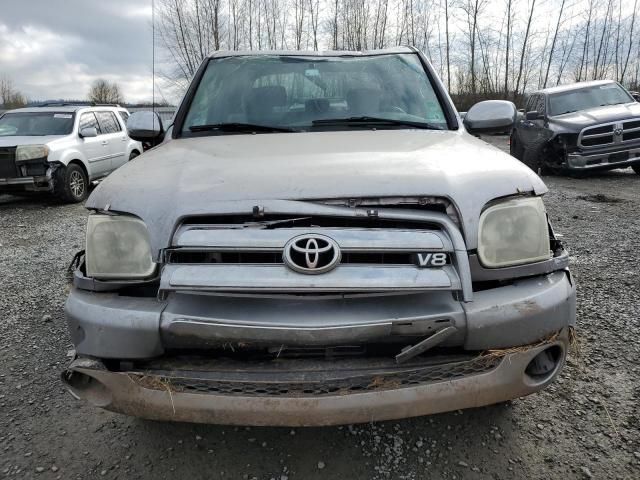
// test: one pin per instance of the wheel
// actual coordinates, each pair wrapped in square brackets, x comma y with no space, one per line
[531,159]
[133,155]
[71,184]
[636,168]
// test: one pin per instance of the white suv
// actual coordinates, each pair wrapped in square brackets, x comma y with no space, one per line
[61,148]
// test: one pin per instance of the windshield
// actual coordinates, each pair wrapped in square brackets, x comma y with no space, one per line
[294,92]
[589,97]
[36,124]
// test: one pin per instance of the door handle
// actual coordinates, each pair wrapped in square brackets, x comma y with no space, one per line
[124,139]
[104,142]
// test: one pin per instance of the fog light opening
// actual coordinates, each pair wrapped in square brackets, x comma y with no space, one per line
[544,365]
[84,387]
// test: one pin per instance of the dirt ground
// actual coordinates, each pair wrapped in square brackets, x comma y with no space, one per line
[587,425]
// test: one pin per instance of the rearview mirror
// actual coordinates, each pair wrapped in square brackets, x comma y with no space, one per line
[533,115]
[491,116]
[145,127]
[89,132]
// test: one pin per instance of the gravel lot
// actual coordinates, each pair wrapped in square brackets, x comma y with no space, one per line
[587,425]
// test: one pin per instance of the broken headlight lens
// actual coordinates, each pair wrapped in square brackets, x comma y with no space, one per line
[30,152]
[513,232]
[118,246]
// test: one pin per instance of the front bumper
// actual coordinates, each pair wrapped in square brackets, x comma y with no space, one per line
[604,159]
[41,183]
[528,312]
[107,325]
[170,398]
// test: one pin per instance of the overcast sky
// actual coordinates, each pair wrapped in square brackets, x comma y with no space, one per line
[55,48]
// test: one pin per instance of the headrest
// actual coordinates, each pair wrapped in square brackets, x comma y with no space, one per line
[274,96]
[364,100]
[317,105]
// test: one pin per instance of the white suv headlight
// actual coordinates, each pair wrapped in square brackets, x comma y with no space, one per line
[118,246]
[513,232]
[31,152]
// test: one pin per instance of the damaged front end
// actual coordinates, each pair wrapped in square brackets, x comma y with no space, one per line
[317,313]
[30,175]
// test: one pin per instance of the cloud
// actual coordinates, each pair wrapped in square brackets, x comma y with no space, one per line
[55,49]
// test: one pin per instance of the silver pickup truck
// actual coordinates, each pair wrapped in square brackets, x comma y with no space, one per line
[317,239]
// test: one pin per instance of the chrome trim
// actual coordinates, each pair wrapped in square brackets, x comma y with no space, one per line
[579,161]
[617,126]
[267,277]
[17,181]
[348,239]
[448,233]
[106,157]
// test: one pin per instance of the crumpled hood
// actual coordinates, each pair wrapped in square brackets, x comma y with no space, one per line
[232,173]
[576,121]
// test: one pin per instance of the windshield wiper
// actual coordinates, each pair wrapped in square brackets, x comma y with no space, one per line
[374,121]
[239,127]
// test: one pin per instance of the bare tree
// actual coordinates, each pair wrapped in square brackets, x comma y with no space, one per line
[604,38]
[9,96]
[103,91]
[587,39]
[506,55]
[299,11]
[584,59]
[525,45]
[446,19]
[314,14]
[189,30]
[472,10]
[553,45]
[631,37]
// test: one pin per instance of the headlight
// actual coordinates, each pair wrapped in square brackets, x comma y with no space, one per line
[118,246]
[513,232]
[29,152]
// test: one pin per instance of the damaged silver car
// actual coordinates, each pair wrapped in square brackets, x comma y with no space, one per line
[317,239]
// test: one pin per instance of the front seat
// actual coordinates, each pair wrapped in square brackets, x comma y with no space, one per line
[363,101]
[261,104]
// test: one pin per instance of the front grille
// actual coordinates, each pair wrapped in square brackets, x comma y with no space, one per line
[368,382]
[372,250]
[610,134]
[8,167]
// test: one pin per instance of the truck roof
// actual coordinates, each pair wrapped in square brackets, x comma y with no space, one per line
[312,53]
[62,108]
[574,86]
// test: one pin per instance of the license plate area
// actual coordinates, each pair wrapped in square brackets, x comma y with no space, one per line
[618,157]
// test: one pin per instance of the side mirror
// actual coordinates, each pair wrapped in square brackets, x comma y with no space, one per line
[491,116]
[145,127]
[89,132]
[533,115]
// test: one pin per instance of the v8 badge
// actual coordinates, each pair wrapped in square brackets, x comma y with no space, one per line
[431,260]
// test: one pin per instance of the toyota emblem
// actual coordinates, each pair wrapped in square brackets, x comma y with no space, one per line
[618,131]
[311,254]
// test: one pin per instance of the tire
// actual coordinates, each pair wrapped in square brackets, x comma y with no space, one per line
[71,184]
[514,148]
[636,168]
[133,155]
[531,159]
